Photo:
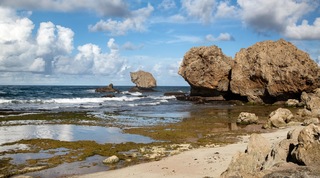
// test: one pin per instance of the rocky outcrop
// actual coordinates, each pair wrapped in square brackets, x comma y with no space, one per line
[312,102]
[143,80]
[270,71]
[107,89]
[307,152]
[296,156]
[266,72]
[246,118]
[247,164]
[207,70]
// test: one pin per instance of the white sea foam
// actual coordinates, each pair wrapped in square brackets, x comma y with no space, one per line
[136,94]
[90,91]
[163,97]
[2,101]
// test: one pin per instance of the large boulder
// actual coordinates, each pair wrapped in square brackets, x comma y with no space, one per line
[207,70]
[312,102]
[307,152]
[248,164]
[279,118]
[143,80]
[273,70]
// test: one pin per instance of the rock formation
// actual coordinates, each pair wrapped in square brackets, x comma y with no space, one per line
[296,156]
[249,163]
[143,80]
[266,72]
[207,70]
[279,118]
[270,71]
[107,89]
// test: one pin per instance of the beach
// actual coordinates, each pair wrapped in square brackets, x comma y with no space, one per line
[202,162]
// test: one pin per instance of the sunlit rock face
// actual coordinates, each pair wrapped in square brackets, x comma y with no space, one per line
[143,80]
[266,72]
[207,71]
[273,70]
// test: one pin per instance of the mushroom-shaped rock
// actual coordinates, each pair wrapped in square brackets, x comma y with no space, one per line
[143,80]
[207,70]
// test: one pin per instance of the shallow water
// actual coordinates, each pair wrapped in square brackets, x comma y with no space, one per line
[69,133]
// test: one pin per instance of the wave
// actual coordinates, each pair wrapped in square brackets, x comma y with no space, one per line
[69,100]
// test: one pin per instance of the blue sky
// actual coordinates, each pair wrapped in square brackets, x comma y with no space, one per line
[97,42]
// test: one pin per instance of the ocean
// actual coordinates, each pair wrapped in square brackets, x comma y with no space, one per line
[84,98]
[125,109]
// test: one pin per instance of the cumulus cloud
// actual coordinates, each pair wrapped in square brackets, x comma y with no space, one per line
[135,22]
[49,51]
[202,10]
[221,37]
[305,31]
[17,50]
[100,7]
[278,16]
[225,10]
[90,60]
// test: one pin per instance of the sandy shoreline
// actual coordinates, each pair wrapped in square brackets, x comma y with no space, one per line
[202,162]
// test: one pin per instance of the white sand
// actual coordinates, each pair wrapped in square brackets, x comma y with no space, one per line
[197,163]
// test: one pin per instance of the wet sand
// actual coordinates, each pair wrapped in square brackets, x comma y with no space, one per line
[202,162]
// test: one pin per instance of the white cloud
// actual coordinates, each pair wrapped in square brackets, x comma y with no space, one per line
[221,37]
[90,60]
[202,10]
[225,10]
[100,7]
[273,15]
[38,65]
[305,31]
[135,22]
[50,50]
[167,5]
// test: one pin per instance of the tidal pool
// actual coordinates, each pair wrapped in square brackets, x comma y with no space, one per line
[66,132]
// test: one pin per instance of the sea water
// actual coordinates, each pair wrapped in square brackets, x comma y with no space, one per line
[132,109]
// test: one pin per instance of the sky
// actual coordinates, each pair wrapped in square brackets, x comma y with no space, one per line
[97,42]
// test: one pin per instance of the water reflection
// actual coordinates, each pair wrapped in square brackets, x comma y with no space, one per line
[69,133]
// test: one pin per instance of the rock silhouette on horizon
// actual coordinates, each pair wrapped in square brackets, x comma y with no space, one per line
[266,72]
[107,89]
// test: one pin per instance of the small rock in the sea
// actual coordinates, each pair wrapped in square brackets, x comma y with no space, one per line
[111,160]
